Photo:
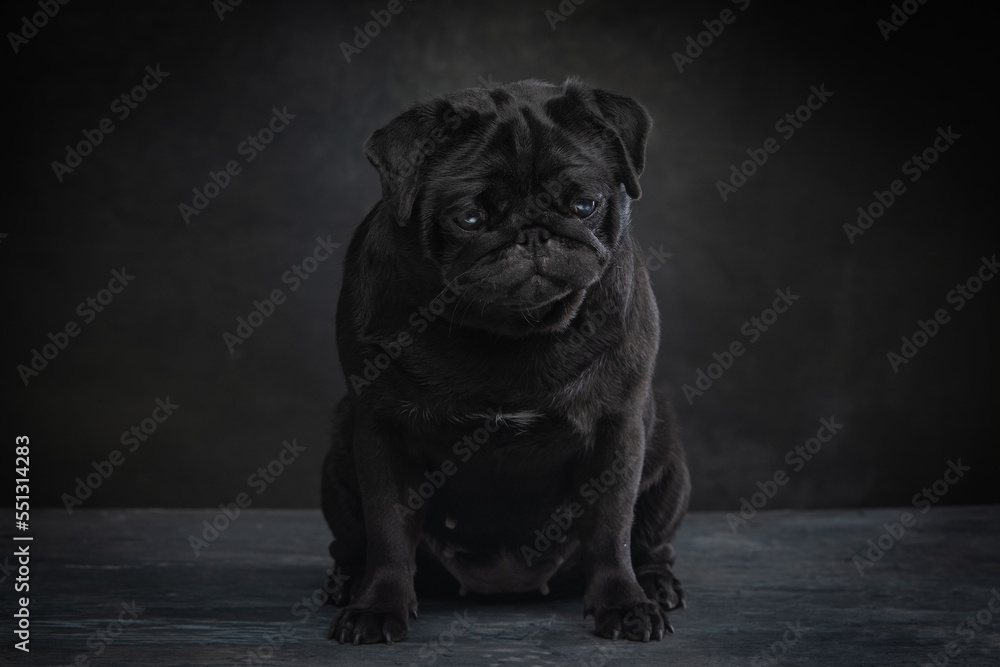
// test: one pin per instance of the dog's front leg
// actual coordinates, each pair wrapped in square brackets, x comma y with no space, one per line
[380,607]
[619,605]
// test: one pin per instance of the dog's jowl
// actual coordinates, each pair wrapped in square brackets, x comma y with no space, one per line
[498,333]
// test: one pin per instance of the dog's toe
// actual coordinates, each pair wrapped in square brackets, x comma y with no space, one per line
[640,622]
[665,589]
[365,626]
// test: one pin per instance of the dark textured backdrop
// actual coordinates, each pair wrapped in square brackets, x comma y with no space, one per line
[162,336]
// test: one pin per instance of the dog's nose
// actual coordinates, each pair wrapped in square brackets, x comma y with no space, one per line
[533,236]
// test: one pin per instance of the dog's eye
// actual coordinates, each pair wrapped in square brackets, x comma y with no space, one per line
[583,208]
[471,219]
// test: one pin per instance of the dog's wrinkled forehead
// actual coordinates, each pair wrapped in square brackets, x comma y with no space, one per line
[514,134]
[517,145]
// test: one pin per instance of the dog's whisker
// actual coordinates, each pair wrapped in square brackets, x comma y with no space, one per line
[453,280]
[451,320]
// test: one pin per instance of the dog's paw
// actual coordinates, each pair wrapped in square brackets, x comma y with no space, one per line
[639,622]
[368,626]
[664,588]
[338,589]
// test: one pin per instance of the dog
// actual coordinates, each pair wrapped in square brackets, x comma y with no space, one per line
[498,333]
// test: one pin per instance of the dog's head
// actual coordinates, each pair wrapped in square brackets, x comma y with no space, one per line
[515,197]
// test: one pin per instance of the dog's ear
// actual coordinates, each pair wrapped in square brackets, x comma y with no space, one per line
[398,152]
[387,149]
[629,124]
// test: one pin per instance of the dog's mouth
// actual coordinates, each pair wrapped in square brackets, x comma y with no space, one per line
[542,308]
[538,292]
[562,312]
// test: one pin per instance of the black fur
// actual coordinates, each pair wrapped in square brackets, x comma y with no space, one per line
[500,427]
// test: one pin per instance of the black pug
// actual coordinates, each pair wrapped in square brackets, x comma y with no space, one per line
[498,333]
